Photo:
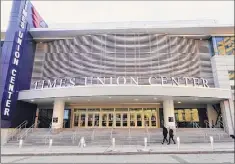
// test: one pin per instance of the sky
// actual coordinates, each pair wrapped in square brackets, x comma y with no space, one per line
[56,13]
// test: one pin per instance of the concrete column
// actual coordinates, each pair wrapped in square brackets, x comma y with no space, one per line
[231,104]
[168,111]
[227,118]
[86,119]
[114,119]
[100,119]
[211,114]
[72,118]
[58,112]
[36,118]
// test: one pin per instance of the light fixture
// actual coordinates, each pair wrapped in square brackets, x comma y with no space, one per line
[32,100]
[196,99]
[88,100]
[179,102]
[155,98]
[200,38]
[68,98]
[136,99]
[110,97]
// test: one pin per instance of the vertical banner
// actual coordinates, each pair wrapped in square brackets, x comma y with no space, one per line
[18,54]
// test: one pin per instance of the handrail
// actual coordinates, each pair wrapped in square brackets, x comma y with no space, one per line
[111,134]
[25,134]
[48,133]
[129,132]
[93,134]
[74,136]
[24,123]
[220,124]
[176,125]
[195,125]
[208,124]
[17,129]
[147,130]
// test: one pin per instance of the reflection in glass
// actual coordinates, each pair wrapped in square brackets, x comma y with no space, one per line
[124,119]
[104,119]
[139,119]
[118,119]
[76,119]
[132,119]
[90,119]
[97,116]
[83,120]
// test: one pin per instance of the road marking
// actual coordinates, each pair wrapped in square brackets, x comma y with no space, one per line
[180,160]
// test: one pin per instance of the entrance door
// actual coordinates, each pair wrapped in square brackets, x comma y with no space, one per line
[118,119]
[150,117]
[121,119]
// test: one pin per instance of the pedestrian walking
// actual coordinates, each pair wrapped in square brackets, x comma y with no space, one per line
[171,136]
[164,132]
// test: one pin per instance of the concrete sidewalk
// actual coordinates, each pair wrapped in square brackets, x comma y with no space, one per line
[119,150]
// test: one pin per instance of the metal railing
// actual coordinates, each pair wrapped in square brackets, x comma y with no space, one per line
[74,136]
[195,125]
[48,135]
[129,132]
[93,134]
[30,129]
[220,124]
[17,129]
[208,124]
[147,132]
[111,133]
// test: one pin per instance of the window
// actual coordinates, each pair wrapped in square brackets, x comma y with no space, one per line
[231,75]
[224,45]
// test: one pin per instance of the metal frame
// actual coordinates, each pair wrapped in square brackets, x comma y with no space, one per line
[114,112]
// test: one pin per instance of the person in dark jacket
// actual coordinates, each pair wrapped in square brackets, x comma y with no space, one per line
[165,132]
[171,135]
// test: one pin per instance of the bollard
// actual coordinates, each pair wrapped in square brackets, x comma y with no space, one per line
[178,142]
[50,143]
[212,142]
[82,143]
[20,143]
[145,142]
[113,143]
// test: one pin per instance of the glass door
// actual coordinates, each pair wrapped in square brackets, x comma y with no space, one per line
[150,117]
[83,120]
[124,119]
[118,119]
[104,119]
[132,119]
[76,118]
[110,120]
[90,120]
[97,119]
[139,119]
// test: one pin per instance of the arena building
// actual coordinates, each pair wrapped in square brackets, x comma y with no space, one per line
[126,75]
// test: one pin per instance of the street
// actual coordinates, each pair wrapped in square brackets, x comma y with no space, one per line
[153,158]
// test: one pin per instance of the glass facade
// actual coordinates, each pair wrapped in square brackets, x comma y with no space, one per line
[116,117]
[223,45]
[231,75]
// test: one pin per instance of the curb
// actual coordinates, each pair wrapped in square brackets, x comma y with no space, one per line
[120,153]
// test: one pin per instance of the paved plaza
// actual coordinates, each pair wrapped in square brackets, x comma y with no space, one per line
[146,158]
[119,149]
[157,153]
